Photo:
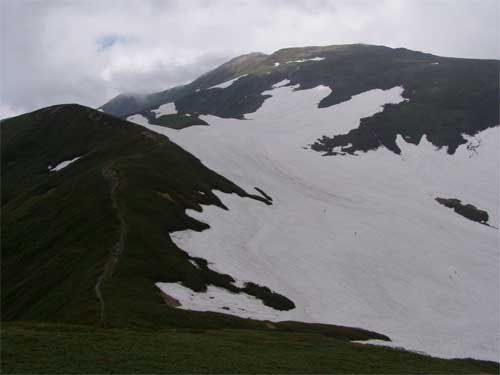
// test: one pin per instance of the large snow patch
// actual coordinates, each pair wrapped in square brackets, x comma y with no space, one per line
[355,240]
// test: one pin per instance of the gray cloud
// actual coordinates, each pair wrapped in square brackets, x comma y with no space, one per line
[88,51]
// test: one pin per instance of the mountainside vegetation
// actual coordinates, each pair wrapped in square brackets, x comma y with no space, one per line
[174,120]
[72,349]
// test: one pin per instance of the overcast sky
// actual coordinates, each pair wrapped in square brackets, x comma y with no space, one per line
[56,51]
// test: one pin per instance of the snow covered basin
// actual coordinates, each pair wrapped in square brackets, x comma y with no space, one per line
[353,240]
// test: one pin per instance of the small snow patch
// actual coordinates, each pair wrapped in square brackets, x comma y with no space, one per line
[277,64]
[165,109]
[63,164]
[138,119]
[223,85]
[281,83]
[219,300]
[304,60]
[239,283]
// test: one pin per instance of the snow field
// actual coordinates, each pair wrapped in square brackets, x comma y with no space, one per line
[352,240]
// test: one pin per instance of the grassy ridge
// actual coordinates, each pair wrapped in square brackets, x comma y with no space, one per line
[59,227]
[49,348]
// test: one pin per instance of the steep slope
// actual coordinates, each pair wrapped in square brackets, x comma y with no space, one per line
[349,238]
[447,97]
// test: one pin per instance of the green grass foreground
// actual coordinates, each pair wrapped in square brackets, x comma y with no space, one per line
[56,348]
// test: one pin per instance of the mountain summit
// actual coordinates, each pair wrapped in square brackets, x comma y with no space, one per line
[445,97]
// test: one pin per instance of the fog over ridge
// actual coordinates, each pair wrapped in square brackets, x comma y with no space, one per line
[89,51]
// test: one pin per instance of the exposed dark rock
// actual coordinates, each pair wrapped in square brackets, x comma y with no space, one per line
[263,193]
[270,298]
[466,210]
[179,121]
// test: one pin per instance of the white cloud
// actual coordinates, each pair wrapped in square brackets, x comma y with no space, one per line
[88,51]
[7,111]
